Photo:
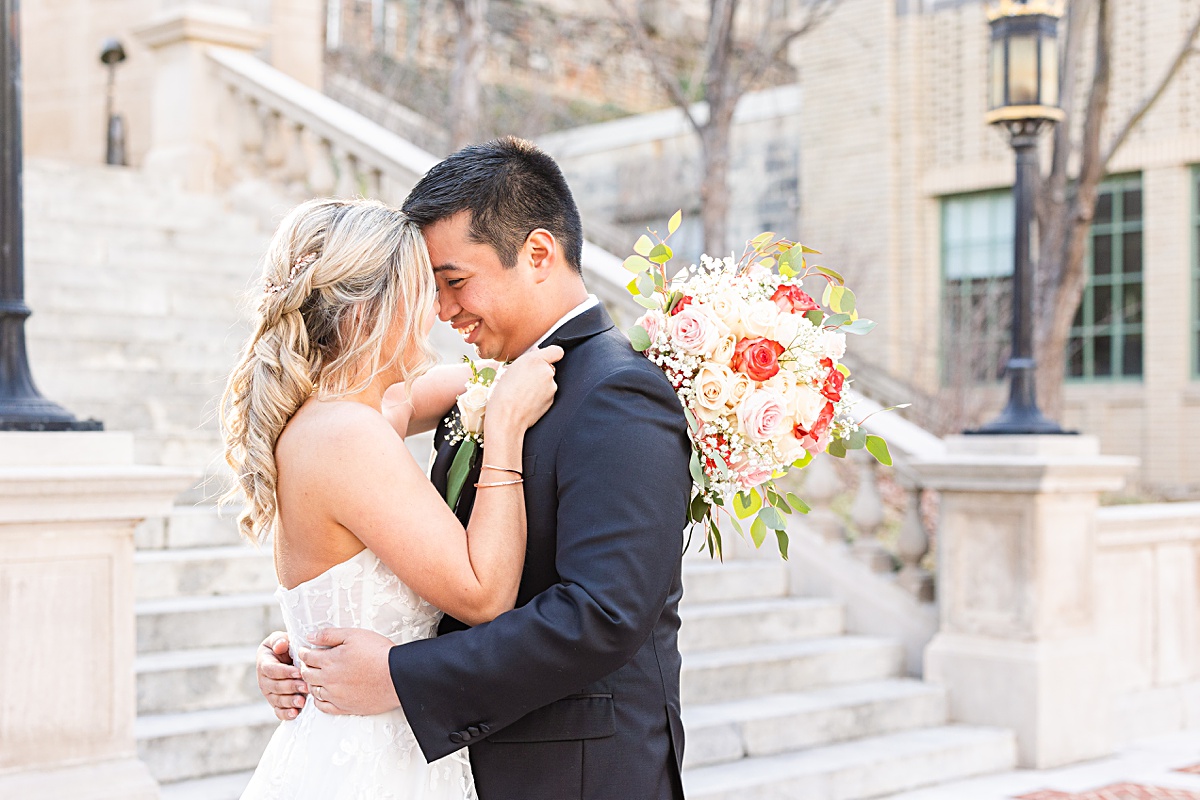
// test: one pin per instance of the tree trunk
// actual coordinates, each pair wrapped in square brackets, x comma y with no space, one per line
[468,63]
[714,186]
[1066,275]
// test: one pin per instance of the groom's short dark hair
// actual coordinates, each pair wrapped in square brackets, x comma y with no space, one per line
[511,188]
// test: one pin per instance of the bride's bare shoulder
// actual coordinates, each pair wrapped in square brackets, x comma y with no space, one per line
[334,428]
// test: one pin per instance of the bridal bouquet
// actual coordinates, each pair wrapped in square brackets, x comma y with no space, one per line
[756,362]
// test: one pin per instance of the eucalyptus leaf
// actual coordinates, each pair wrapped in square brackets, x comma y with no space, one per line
[816,316]
[761,241]
[632,286]
[643,245]
[659,281]
[857,440]
[697,471]
[836,448]
[460,467]
[647,302]
[847,301]
[645,284]
[798,504]
[772,518]
[782,538]
[758,532]
[837,320]
[804,249]
[661,254]
[746,504]
[859,327]
[636,264]
[803,461]
[877,447]
[828,272]
[639,338]
[699,508]
[673,224]
[487,374]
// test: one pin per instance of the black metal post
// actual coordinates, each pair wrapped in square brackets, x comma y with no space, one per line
[1022,414]
[21,406]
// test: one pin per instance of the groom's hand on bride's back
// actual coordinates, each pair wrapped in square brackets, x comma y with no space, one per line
[278,679]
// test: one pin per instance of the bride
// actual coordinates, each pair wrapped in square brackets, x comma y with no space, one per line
[361,537]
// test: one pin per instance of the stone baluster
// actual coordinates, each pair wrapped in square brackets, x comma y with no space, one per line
[913,545]
[295,164]
[346,165]
[374,181]
[250,119]
[274,150]
[321,177]
[821,485]
[867,515]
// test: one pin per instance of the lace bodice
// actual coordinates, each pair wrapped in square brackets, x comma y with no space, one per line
[320,756]
[360,592]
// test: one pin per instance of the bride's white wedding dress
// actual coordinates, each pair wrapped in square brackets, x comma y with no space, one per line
[319,756]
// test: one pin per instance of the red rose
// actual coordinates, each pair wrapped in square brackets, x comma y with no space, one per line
[757,358]
[813,439]
[683,303]
[793,299]
[831,387]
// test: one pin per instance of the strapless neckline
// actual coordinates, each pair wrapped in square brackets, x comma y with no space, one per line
[341,564]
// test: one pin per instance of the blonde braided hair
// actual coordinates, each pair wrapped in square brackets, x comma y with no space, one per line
[339,277]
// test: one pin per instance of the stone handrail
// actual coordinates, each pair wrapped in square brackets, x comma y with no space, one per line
[300,138]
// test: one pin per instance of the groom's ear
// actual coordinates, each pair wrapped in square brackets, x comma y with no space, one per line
[541,252]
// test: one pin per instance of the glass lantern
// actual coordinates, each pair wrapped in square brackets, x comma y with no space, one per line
[1024,61]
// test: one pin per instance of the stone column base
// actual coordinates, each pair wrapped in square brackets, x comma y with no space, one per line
[1053,694]
[117,779]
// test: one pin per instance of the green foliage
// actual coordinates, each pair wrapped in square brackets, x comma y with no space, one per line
[673,224]
[746,504]
[636,264]
[460,467]
[877,447]
[639,338]
[643,245]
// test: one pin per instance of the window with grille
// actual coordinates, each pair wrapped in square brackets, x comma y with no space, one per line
[1106,339]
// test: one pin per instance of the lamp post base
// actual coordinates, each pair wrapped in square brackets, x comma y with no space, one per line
[1020,420]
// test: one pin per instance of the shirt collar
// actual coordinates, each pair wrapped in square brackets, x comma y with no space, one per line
[589,303]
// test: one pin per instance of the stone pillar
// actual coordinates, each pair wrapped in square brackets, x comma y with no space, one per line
[298,40]
[1017,644]
[184,124]
[68,506]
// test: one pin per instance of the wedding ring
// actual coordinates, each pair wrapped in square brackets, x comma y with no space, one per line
[316,692]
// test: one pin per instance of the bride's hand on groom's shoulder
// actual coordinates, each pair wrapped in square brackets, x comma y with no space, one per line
[278,679]
[526,389]
[351,675]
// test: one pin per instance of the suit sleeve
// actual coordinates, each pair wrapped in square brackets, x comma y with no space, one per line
[623,492]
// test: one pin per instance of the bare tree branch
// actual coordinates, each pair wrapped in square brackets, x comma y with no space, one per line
[637,31]
[818,11]
[1185,51]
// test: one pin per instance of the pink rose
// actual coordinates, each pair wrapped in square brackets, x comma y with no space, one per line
[762,415]
[750,475]
[816,438]
[693,331]
[652,322]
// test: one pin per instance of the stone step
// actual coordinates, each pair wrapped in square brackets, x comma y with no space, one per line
[737,623]
[187,623]
[177,681]
[717,676]
[223,570]
[198,744]
[191,526]
[778,723]
[218,787]
[717,582]
[865,768]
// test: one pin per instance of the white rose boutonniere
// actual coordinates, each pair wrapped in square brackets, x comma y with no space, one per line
[468,427]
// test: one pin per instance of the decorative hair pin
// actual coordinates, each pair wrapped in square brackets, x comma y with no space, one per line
[303,263]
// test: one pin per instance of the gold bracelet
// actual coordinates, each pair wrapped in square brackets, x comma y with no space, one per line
[499,483]
[503,469]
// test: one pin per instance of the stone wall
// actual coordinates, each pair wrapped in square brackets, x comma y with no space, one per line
[65,83]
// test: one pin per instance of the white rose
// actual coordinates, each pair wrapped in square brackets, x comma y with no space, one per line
[712,384]
[471,406]
[806,405]
[787,328]
[790,448]
[723,353]
[784,382]
[759,319]
[834,344]
[728,311]
[739,387]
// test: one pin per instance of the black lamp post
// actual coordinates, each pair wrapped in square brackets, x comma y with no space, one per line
[22,408]
[111,54]
[1023,97]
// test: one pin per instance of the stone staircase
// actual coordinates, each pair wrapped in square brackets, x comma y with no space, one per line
[779,702]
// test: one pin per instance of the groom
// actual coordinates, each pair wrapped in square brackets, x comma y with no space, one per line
[575,693]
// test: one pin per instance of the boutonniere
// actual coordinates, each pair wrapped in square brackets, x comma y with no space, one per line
[467,428]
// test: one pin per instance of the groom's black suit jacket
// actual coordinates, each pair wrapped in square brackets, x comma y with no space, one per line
[575,693]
